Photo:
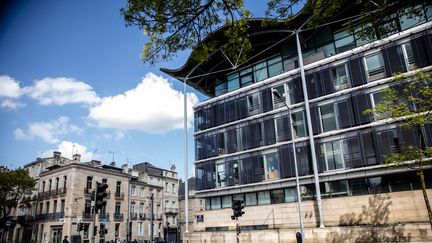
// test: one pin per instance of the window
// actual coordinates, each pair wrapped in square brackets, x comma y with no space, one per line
[408,55]
[358,187]
[328,117]
[64,182]
[333,155]
[282,128]
[62,206]
[251,199]
[226,201]
[253,103]
[246,77]
[334,188]
[118,188]
[133,189]
[117,229]
[117,208]
[221,176]
[377,185]
[344,40]
[233,82]
[339,77]
[375,66]
[216,203]
[412,17]
[141,228]
[260,71]
[173,188]
[132,208]
[89,183]
[291,194]
[299,127]
[166,186]
[220,87]
[279,102]
[275,66]
[142,191]
[263,197]
[272,166]
[277,196]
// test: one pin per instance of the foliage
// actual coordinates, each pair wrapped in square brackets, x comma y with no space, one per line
[178,25]
[16,186]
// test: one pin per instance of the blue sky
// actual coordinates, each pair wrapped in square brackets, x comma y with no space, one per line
[71,80]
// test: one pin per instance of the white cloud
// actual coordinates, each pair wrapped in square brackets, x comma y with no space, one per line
[9,87]
[61,91]
[9,104]
[48,131]
[152,107]
[66,148]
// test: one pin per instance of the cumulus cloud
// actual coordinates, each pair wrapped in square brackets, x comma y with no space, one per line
[10,91]
[67,148]
[152,107]
[61,91]
[48,131]
[9,87]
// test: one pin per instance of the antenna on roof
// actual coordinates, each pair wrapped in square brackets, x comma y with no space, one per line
[93,155]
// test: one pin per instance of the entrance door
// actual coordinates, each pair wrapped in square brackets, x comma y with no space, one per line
[56,234]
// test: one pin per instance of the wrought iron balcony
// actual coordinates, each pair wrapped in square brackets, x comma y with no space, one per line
[104,216]
[49,216]
[133,216]
[171,211]
[119,195]
[118,217]
[87,216]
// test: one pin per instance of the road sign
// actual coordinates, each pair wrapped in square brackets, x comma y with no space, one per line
[104,221]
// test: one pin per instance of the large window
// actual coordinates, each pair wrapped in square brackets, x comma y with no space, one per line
[226,201]
[221,175]
[277,196]
[332,153]
[279,102]
[375,66]
[253,103]
[282,128]
[271,166]
[264,197]
[275,66]
[260,71]
[251,199]
[328,117]
[340,77]
[246,77]
[299,126]
[408,55]
[291,194]
[233,82]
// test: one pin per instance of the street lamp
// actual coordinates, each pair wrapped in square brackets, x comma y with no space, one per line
[299,205]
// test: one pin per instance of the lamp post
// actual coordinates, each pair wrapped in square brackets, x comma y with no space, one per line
[299,204]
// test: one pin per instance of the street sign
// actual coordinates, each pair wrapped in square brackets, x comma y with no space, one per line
[104,221]
[200,218]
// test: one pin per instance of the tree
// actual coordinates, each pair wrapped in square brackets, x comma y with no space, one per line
[178,25]
[15,186]
[409,100]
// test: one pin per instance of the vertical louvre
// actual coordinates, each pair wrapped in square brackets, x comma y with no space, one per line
[344,114]
[315,119]
[267,103]
[360,103]
[393,61]
[327,82]
[420,55]
[286,161]
[357,72]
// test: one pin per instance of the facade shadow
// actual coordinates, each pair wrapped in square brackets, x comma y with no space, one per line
[371,225]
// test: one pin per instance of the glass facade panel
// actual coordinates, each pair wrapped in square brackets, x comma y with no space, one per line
[216,203]
[377,185]
[291,194]
[299,126]
[277,196]
[279,102]
[340,77]
[251,199]
[264,197]
[328,118]
[333,155]
[226,201]
[233,82]
[221,175]
[272,166]
[412,17]
[375,66]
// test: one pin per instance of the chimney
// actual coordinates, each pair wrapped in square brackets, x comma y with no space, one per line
[173,167]
[76,158]
[57,154]
[125,168]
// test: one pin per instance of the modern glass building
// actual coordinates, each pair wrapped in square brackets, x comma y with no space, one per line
[243,145]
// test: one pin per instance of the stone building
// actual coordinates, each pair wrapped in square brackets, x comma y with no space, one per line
[63,199]
[301,99]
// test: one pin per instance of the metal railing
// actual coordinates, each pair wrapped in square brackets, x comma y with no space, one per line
[118,217]
[103,216]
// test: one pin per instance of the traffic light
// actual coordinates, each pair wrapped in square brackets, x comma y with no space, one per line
[80,227]
[95,230]
[102,231]
[100,196]
[237,207]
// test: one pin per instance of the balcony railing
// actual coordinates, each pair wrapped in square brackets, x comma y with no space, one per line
[171,210]
[87,216]
[119,195]
[104,216]
[49,216]
[52,193]
[133,216]
[118,217]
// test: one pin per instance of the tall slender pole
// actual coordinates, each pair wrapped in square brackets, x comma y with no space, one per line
[309,124]
[299,200]
[94,214]
[186,167]
[151,217]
